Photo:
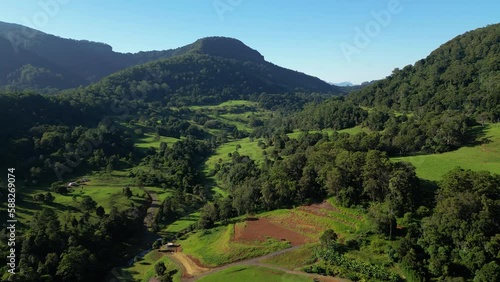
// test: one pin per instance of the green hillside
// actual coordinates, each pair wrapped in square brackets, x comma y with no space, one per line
[463,74]
[485,156]
[253,273]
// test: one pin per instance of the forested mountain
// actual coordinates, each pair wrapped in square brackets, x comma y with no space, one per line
[202,78]
[33,55]
[463,74]
[213,69]
[455,88]
[24,69]
[33,59]
[250,66]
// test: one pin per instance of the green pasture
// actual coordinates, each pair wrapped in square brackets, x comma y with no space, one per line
[483,156]
[353,130]
[150,140]
[215,247]
[181,224]
[144,269]
[253,273]
[294,259]
[235,112]
[248,148]
[225,105]
[105,189]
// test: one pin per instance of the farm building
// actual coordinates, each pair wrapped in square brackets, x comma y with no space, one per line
[171,247]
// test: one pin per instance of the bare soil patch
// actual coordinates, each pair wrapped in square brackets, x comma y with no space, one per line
[262,228]
[189,266]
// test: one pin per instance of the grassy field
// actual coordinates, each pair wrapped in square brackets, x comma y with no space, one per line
[105,190]
[144,269]
[180,224]
[221,155]
[235,112]
[240,120]
[252,274]
[311,223]
[294,259]
[147,138]
[161,193]
[215,246]
[248,148]
[480,157]
[353,130]
[226,105]
[150,140]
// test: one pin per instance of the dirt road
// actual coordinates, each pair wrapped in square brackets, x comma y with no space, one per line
[189,267]
[153,207]
[187,263]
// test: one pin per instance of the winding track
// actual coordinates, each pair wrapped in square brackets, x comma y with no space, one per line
[191,277]
[153,207]
[192,272]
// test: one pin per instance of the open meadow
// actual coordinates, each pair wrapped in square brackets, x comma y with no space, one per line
[482,156]
[253,273]
[144,268]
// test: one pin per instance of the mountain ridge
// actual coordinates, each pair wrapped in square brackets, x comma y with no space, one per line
[69,63]
[201,78]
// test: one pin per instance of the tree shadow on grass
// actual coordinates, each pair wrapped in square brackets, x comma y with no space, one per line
[62,207]
[477,136]
[237,270]
[173,272]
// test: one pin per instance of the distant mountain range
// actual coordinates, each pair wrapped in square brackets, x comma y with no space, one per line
[343,84]
[33,59]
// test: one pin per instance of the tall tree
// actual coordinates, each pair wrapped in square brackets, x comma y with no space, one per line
[76,265]
[376,174]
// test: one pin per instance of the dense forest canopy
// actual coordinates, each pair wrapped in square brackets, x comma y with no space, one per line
[463,74]
[197,79]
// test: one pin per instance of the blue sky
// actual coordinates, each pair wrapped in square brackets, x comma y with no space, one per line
[336,40]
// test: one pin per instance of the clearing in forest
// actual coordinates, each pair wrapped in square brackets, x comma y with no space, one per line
[259,229]
[485,155]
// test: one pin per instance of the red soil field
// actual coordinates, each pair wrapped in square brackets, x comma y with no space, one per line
[260,229]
